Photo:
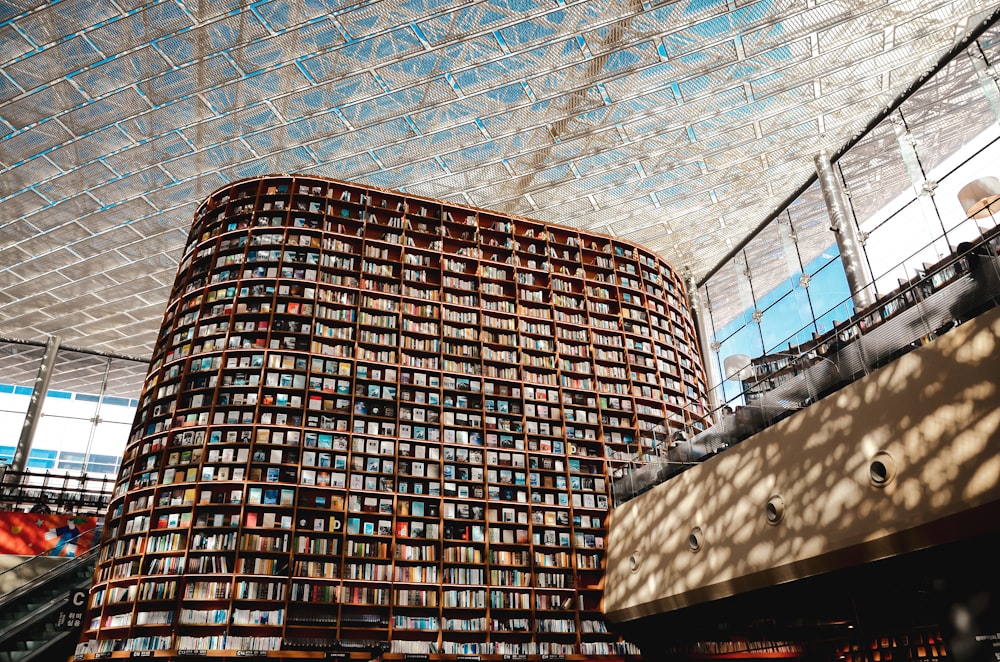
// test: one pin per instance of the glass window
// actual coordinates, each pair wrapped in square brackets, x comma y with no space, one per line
[941,137]
[810,222]
[40,458]
[979,158]
[899,247]
[55,433]
[787,321]
[829,294]
[116,413]
[109,442]
[902,180]
[745,341]
[96,467]
[875,176]
[11,423]
[729,298]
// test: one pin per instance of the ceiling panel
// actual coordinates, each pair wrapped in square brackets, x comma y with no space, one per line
[679,125]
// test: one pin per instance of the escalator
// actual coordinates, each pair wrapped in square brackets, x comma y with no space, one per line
[39,620]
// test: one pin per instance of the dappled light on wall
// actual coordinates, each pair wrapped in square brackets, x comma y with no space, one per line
[885,466]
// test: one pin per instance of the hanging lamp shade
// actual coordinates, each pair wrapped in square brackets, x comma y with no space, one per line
[980,198]
[737,367]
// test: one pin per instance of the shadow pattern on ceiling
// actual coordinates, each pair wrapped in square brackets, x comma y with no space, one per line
[677,125]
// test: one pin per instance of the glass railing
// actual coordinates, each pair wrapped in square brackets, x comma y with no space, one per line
[774,386]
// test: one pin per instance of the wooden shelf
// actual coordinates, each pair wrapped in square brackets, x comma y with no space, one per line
[192,654]
[368,412]
[749,655]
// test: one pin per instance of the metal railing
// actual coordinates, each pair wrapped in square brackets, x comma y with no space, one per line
[948,293]
[56,492]
[50,573]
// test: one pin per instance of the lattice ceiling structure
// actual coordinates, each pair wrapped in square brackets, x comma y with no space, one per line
[73,371]
[678,125]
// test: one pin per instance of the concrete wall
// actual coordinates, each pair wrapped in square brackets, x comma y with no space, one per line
[932,418]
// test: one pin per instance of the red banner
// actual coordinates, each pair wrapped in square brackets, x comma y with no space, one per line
[30,534]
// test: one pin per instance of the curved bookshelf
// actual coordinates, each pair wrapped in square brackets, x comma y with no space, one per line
[377,422]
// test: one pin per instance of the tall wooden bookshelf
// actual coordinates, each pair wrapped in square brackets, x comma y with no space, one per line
[376,424]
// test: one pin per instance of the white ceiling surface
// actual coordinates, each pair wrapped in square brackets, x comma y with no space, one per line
[678,125]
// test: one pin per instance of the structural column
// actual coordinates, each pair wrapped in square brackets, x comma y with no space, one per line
[34,413]
[852,253]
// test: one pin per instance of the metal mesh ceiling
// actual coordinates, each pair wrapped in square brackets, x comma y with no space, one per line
[76,372]
[679,125]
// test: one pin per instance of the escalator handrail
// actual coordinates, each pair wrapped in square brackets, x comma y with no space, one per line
[34,616]
[46,553]
[51,573]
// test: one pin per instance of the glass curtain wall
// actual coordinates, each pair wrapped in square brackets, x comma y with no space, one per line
[86,414]
[785,286]
[902,180]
